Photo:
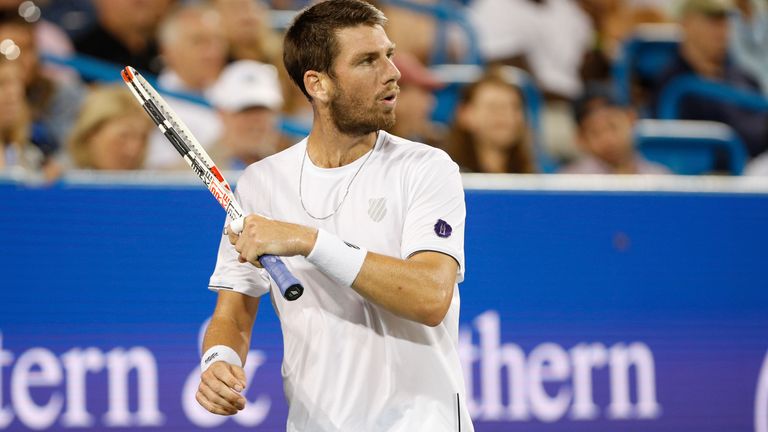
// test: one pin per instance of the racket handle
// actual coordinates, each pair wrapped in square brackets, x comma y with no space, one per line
[290,287]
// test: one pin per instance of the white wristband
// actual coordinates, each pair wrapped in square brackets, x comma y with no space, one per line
[219,353]
[339,260]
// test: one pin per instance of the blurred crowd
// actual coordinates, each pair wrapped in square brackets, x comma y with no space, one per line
[541,96]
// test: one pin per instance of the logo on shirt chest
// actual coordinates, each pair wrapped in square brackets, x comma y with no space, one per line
[377,208]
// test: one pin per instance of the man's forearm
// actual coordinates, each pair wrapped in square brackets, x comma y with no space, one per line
[419,289]
[225,331]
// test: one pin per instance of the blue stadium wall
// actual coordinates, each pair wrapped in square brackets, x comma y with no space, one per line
[581,311]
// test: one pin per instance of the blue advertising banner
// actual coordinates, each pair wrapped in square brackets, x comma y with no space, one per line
[581,311]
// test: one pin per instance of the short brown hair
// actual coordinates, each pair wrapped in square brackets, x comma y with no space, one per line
[310,42]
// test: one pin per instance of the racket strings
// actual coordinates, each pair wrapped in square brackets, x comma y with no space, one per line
[177,127]
[199,161]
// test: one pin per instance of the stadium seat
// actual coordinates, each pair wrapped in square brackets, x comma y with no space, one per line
[687,85]
[644,56]
[690,147]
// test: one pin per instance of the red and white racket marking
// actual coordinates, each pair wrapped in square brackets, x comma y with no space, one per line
[196,157]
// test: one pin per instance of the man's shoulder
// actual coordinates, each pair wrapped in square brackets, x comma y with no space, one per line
[278,161]
[402,150]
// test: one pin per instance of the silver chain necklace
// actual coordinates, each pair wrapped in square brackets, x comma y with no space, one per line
[338,206]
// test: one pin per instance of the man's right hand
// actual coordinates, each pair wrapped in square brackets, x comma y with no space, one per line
[220,388]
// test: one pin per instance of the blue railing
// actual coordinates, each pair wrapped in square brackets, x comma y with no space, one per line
[644,55]
[686,85]
[691,147]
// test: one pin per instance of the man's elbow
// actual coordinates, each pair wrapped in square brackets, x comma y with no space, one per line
[433,320]
[434,311]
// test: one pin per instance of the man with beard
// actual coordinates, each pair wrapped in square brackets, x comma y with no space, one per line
[372,225]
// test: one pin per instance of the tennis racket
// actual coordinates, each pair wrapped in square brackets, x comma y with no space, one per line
[186,144]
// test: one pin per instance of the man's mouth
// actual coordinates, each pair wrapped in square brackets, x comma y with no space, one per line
[390,97]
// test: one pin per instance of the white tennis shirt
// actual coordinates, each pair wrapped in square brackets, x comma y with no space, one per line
[348,364]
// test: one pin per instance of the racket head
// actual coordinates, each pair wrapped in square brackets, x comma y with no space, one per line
[145,91]
[196,157]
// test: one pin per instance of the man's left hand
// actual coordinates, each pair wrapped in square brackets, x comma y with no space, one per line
[262,236]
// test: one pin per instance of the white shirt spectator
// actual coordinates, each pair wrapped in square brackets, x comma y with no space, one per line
[553,36]
[591,165]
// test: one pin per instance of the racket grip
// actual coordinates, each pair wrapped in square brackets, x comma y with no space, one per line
[289,286]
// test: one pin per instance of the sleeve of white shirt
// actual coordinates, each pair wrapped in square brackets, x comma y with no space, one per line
[434,219]
[229,273]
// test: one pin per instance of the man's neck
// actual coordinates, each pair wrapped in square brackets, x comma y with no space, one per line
[328,147]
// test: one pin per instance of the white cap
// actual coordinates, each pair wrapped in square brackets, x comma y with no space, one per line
[244,84]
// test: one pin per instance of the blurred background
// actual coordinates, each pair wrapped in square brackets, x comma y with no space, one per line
[613,154]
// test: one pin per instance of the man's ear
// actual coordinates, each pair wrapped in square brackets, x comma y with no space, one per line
[318,85]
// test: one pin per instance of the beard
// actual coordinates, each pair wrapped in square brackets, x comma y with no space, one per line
[351,118]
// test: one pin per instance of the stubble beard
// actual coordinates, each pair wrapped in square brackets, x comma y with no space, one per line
[351,118]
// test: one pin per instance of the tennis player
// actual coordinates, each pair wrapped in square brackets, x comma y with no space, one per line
[372,225]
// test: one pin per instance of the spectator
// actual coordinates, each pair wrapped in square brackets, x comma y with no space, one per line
[250,37]
[247,27]
[416,102]
[605,135]
[14,120]
[490,133]
[704,52]
[53,105]
[749,39]
[194,47]
[548,38]
[124,33]
[417,33]
[111,132]
[247,97]
[614,21]
[16,127]
[49,38]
